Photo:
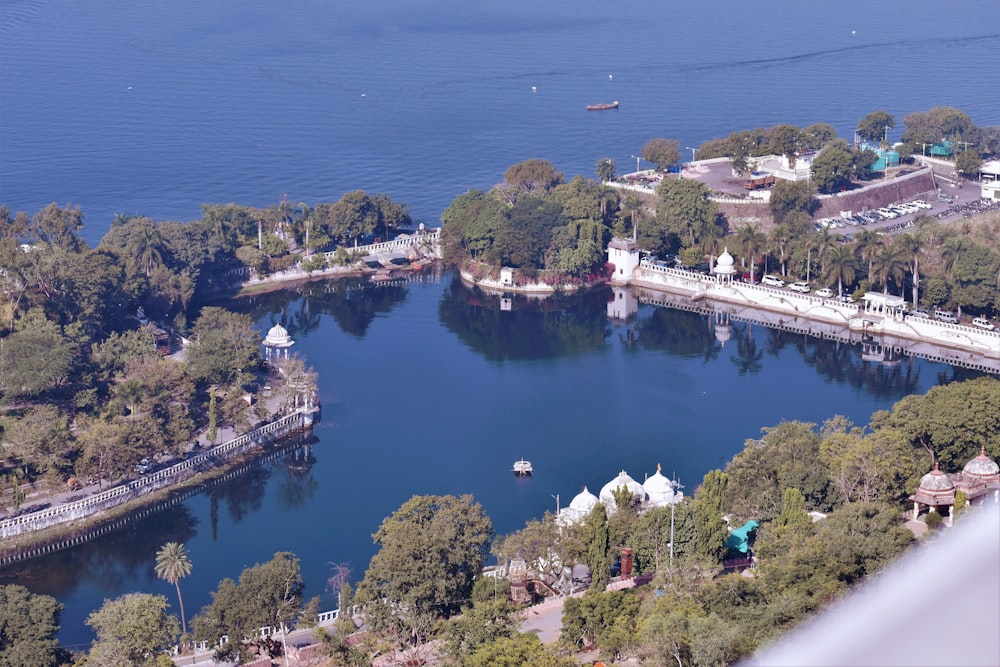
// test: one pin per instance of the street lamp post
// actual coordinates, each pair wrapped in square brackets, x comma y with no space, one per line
[693,151]
[673,503]
[557,503]
[637,158]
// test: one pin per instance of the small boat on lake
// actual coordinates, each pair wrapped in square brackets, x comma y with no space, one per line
[603,107]
[523,468]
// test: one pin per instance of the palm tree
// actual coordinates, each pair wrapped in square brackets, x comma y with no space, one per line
[779,237]
[868,245]
[890,263]
[950,250]
[173,564]
[148,244]
[632,205]
[751,242]
[912,245]
[712,243]
[840,266]
[821,242]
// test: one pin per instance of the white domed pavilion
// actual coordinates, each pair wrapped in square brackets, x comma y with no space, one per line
[725,268]
[936,489]
[277,339]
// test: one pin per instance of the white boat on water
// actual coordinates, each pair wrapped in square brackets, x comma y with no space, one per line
[522,468]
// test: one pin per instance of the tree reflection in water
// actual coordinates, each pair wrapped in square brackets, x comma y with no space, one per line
[105,561]
[353,303]
[561,325]
[297,483]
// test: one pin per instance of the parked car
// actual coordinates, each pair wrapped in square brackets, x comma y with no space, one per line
[800,286]
[887,213]
[920,203]
[945,316]
[773,281]
[824,292]
[847,298]
[920,312]
[983,323]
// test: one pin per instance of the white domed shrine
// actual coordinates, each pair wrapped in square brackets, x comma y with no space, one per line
[277,339]
[724,267]
[659,490]
[622,480]
[578,508]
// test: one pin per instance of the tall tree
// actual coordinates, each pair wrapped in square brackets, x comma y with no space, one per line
[751,242]
[839,266]
[785,140]
[890,263]
[663,153]
[148,245]
[683,207]
[598,544]
[172,565]
[267,595]
[58,227]
[833,168]
[708,512]
[430,552]
[605,170]
[791,198]
[132,630]
[227,347]
[867,246]
[874,127]
[533,175]
[912,245]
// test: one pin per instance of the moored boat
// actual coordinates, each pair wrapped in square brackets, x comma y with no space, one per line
[602,107]
[523,468]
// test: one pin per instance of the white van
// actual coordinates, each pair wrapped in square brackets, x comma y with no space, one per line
[945,316]
[773,281]
[983,323]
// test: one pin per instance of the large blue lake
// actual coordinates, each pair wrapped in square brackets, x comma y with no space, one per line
[428,387]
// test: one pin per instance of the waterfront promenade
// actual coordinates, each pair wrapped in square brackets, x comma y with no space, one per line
[887,328]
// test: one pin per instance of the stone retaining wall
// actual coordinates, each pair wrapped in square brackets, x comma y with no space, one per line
[132,489]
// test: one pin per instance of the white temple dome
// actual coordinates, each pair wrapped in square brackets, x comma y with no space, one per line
[621,480]
[583,502]
[278,336]
[659,490]
[724,264]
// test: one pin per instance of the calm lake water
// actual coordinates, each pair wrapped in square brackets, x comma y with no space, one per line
[428,387]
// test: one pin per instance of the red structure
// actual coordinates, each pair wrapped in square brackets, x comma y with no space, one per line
[626,569]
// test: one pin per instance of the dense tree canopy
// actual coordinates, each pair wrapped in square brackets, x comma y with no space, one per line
[834,167]
[28,627]
[683,210]
[227,346]
[430,551]
[874,127]
[132,630]
[267,595]
[663,153]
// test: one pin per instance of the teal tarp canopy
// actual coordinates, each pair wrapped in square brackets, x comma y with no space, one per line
[739,539]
